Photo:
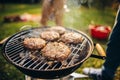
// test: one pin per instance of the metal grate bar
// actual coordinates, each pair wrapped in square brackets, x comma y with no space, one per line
[79,49]
[42,65]
[18,61]
[33,63]
[47,67]
[71,46]
[60,67]
[16,52]
[38,64]
[74,48]
[11,45]
[14,47]
[14,56]
[15,40]
[27,62]
[54,66]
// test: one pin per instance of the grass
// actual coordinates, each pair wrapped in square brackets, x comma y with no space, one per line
[78,18]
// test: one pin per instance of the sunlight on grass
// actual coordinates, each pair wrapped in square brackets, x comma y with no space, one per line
[81,18]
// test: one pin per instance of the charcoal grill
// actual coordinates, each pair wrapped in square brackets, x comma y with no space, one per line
[39,67]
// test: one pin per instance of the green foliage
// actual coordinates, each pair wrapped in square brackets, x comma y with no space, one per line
[78,18]
[8,71]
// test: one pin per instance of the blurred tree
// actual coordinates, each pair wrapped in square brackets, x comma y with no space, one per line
[115,4]
[19,1]
[101,4]
[2,5]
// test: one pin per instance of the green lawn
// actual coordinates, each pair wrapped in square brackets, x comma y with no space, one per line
[77,18]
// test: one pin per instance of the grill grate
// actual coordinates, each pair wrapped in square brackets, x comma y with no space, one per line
[15,52]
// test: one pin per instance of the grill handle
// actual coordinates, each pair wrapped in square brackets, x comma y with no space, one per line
[101,52]
[98,57]
[25,27]
[2,41]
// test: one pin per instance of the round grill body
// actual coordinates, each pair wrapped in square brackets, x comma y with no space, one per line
[15,53]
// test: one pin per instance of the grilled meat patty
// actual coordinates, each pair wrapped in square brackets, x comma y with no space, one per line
[56,51]
[59,29]
[34,43]
[49,35]
[71,37]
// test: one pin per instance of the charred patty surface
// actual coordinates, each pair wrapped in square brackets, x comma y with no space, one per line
[71,37]
[34,43]
[59,29]
[49,35]
[56,51]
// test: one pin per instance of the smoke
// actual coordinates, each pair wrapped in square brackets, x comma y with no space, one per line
[73,3]
[72,13]
[78,3]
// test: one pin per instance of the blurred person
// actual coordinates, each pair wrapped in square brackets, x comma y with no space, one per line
[112,62]
[52,9]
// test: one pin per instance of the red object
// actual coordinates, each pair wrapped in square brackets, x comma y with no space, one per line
[99,31]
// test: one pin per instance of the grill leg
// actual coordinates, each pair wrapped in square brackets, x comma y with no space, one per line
[27,77]
[72,76]
[65,78]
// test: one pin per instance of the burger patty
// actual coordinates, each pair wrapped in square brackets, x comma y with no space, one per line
[49,35]
[56,51]
[71,37]
[34,43]
[59,29]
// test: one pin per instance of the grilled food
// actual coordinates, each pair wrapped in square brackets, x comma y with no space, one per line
[59,29]
[34,43]
[56,51]
[49,35]
[71,37]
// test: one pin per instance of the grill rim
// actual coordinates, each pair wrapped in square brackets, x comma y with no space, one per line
[17,65]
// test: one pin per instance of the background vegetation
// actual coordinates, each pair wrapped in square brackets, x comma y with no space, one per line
[80,16]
